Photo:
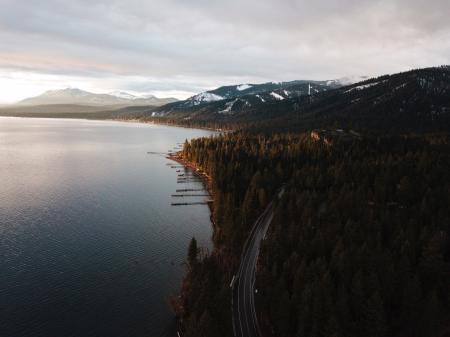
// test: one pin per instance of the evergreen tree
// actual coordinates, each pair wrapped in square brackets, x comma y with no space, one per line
[192,252]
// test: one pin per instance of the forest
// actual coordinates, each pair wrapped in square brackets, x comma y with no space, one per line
[359,245]
[360,241]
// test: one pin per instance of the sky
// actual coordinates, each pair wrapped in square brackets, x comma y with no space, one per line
[175,48]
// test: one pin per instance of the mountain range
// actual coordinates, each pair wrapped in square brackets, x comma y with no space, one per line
[75,96]
[73,102]
[416,100]
[234,98]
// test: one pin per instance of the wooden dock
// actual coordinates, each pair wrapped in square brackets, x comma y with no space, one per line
[158,153]
[188,203]
[188,175]
[189,195]
[189,190]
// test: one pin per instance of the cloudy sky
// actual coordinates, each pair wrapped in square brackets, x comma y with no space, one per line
[180,47]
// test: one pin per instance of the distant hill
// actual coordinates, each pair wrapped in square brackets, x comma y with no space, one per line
[80,97]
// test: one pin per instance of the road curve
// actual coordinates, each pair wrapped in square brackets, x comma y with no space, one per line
[245,322]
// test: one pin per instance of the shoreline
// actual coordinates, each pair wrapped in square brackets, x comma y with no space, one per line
[124,120]
[177,303]
[179,125]
[206,182]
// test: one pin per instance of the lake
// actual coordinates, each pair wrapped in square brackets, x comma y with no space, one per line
[89,243]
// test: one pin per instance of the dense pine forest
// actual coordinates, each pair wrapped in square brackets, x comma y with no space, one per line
[359,245]
[360,241]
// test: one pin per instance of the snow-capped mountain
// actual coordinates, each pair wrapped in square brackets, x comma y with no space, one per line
[232,98]
[416,100]
[204,97]
[81,97]
[122,94]
[245,89]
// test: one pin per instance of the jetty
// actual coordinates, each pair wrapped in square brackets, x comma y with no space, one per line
[189,195]
[188,203]
[158,153]
[190,174]
[188,179]
[190,190]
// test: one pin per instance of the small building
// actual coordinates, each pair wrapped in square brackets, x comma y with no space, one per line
[315,135]
[328,137]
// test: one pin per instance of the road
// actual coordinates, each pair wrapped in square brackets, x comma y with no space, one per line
[245,322]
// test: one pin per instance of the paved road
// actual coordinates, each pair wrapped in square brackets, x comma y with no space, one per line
[245,322]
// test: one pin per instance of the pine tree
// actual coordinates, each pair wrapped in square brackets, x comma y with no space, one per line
[192,252]
[375,319]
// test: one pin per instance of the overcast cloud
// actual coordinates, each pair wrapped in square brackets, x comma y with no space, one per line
[179,47]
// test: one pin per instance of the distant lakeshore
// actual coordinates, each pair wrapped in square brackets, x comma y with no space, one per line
[106,117]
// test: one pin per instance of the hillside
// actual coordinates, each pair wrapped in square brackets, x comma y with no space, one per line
[416,100]
[228,100]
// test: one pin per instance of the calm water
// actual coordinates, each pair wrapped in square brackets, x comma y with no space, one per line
[89,244]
